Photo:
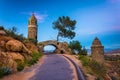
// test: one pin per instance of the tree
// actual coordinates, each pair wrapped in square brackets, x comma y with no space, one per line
[75,46]
[83,51]
[1,28]
[65,27]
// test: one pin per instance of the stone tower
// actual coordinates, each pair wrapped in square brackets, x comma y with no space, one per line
[97,51]
[32,28]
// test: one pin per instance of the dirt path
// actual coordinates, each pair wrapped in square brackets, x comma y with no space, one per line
[50,67]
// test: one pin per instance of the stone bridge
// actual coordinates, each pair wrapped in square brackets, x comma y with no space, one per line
[61,47]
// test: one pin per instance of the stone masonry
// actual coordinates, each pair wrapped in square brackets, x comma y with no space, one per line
[61,47]
[97,51]
[32,28]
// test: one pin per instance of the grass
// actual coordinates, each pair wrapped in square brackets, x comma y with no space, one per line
[20,65]
[35,57]
[85,60]
[93,67]
[5,71]
[97,68]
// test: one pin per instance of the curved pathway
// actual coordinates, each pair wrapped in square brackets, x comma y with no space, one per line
[55,67]
[52,67]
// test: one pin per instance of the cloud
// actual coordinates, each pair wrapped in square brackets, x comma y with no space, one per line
[40,17]
[114,1]
[113,46]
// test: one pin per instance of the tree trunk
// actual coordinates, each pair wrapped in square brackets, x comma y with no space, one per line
[58,37]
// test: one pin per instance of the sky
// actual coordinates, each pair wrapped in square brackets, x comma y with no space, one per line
[95,18]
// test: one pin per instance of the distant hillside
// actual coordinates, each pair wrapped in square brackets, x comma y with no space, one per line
[113,51]
[105,50]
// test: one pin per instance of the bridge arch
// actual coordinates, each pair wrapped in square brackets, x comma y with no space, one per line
[50,48]
[61,47]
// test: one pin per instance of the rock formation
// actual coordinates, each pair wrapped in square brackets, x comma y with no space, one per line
[12,50]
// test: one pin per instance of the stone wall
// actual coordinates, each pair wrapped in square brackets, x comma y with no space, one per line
[61,47]
[32,33]
[97,51]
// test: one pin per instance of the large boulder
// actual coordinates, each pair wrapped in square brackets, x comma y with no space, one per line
[16,56]
[16,46]
[3,40]
[31,47]
[2,32]
[7,61]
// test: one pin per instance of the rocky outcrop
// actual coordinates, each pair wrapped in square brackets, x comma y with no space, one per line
[3,40]
[11,51]
[2,32]
[16,56]
[31,47]
[16,46]
[7,60]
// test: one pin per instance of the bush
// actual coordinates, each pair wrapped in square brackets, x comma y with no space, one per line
[20,65]
[75,46]
[12,32]
[99,78]
[85,60]
[97,68]
[5,71]
[35,56]
[1,28]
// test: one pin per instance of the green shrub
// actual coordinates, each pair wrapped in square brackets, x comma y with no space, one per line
[1,28]
[99,78]
[97,68]
[12,32]
[84,59]
[20,65]
[5,71]
[35,56]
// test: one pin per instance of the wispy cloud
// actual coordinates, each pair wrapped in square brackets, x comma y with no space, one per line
[40,17]
[113,46]
[114,1]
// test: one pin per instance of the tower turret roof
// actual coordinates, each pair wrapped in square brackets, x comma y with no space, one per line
[33,20]
[96,42]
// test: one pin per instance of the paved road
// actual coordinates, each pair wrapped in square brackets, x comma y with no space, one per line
[54,67]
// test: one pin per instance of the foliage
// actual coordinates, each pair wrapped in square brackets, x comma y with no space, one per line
[85,60]
[12,32]
[1,28]
[65,27]
[83,51]
[97,68]
[75,46]
[5,71]
[99,78]
[20,65]
[35,56]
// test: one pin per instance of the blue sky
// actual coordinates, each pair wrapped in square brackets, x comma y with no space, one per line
[99,18]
